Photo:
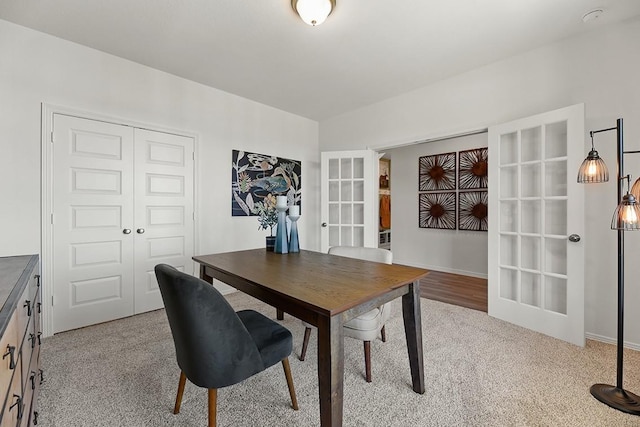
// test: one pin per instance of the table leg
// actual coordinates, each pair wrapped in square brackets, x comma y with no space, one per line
[413,332]
[330,370]
[279,314]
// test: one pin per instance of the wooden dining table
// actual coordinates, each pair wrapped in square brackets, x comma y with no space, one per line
[325,291]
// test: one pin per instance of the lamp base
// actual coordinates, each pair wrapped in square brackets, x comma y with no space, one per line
[617,398]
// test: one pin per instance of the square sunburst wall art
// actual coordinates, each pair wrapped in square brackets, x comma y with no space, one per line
[472,169]
[437,210]
[472,210]
[437,172]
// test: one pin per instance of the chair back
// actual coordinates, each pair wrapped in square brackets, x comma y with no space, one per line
[366,254]
[213,347]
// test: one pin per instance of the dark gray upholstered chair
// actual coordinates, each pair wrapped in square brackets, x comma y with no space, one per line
[215,346]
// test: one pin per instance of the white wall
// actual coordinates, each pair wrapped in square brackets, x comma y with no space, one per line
[37,68]
[453,251]
[599,69]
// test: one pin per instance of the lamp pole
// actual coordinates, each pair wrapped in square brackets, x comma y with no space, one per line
[617,397]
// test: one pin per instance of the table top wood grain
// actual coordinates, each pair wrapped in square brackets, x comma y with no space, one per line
[327,284]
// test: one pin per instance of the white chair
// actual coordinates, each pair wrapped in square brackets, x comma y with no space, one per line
[366,326]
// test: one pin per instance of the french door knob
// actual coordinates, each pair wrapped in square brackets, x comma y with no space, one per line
[140,230]
[126,231]
[574,238]
[324,224]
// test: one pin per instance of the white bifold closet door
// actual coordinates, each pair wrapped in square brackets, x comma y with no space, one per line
[122,203]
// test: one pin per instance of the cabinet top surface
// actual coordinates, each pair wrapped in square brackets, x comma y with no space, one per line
[11,271]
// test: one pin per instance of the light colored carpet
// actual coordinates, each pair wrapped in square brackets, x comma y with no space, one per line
[479,371]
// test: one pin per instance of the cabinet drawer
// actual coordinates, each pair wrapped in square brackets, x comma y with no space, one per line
[24,311]
[26,351]
[10,349]
[14,405]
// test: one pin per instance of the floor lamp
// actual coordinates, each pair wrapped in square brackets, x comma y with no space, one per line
[625,218]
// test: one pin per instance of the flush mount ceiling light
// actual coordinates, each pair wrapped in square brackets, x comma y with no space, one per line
[313,12]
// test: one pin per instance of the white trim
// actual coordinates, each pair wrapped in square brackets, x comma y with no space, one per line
[440,268]
[613,341]
[46,191]
[432,138]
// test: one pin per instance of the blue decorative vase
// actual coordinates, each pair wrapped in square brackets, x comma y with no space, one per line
[294,244]
[282,242]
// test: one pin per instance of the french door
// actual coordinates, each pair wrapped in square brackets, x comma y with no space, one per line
[536,218]
[122,203]
[349,203]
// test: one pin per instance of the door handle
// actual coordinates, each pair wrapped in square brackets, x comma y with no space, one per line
[140,230]
[324,224]
[126,231]
[574,238]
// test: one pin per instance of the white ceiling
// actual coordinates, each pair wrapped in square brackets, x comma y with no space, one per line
[366,51]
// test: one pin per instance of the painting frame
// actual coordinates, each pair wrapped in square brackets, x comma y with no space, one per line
[257,178]
[473,168]
[437,210]
[473,210]
[437,172]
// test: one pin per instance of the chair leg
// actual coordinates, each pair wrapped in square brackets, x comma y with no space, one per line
[305,343]
[367,360]
[213,394]
[384,334]
[183,380]
[292,391]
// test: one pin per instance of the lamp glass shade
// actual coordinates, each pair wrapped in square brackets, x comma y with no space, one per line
[593,169]
[635,190]
[313,12]
[627,215]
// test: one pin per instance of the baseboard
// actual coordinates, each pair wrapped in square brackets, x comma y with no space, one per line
[443,269]
[608,340]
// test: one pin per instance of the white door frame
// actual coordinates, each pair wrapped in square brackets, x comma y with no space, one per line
[46,192]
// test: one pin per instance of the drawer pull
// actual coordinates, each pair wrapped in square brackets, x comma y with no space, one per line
[27,304]
[35,418]
[10,352]
[32,338]
[39,340]
[37,277]
[39,305]
[20,406]
[33,380]
[41,376]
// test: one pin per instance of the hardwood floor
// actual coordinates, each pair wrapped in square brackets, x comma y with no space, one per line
[465,291]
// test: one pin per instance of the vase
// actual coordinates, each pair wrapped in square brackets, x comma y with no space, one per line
[271,243]
[294,243]
[282,242]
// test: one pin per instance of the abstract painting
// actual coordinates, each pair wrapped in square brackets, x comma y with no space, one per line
[257,178]
[472,212]
[437,210]
[472,168]
[437,172]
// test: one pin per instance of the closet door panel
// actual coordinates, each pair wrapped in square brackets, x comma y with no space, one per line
[163,210]
[92,209]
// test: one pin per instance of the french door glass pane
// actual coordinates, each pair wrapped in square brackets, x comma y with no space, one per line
[555,178]
[555,256]
[508,148]
[556,140]
[531,144]
[555,294]
[530,288]
[509,250]
[509,284]
[530,253]
[556,217]
[334,169]
[530,216]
